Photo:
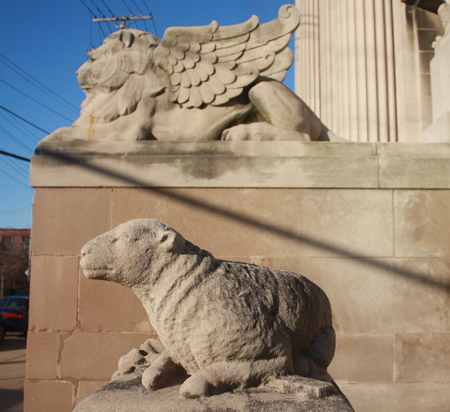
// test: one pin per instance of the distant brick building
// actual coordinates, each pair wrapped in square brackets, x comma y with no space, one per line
[14,239]
[14,259]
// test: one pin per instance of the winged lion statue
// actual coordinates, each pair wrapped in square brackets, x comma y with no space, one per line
[197,83]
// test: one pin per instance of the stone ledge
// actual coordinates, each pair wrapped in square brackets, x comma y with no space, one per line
[241,164]
[239,148]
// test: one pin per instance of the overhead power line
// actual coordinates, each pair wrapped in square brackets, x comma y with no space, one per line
[140,11]
[34,100]
[145,4]
[154,26]
[16,211]
[102,14]
[17,141]
[85,5]
[13,178]
[15,156]
[20,166]
[24,120]
[17,169]
[34,141]
[38,82]
[43,91]
[4,185]
[90,11]
[112,14]
[126,5]
[150,14]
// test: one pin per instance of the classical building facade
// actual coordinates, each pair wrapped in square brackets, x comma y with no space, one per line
[363,66]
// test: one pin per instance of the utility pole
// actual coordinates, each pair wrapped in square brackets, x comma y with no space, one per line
[123,20]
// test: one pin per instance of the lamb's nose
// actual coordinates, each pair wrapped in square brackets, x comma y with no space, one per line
[84,250]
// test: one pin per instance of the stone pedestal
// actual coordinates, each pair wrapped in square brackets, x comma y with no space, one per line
[291,394]
[367,222]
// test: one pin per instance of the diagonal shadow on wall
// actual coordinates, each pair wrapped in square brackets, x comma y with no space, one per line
[410,275]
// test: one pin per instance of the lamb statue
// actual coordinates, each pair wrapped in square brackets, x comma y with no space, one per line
[198,83]
[225,324]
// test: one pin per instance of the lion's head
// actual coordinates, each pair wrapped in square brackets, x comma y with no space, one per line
[119,74]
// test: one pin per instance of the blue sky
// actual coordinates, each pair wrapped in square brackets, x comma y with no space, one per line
[48,40]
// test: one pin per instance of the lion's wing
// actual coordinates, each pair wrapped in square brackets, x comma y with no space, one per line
[211,64]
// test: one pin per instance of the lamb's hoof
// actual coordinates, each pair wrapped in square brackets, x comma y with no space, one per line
[153,378]
[194,387]
[152,346]
[132,358]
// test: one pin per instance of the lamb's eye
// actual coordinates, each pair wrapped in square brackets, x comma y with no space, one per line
[153,234]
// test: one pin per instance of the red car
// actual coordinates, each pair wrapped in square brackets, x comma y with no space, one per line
[15,311]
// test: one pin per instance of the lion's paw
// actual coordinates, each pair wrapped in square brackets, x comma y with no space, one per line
[194,387]
[251,131]
[236,133]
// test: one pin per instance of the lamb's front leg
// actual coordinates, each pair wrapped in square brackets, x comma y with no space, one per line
[224,376]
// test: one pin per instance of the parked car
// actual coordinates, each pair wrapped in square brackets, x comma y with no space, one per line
[2,327]
[15,311]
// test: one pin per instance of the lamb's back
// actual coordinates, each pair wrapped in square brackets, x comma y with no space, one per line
[239,311]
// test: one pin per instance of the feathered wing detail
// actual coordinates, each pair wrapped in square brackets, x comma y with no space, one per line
[201,65]
[119,74]
[212,64]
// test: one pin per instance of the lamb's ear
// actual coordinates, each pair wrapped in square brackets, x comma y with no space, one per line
[172,242]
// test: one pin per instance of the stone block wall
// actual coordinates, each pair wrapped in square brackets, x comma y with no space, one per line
[379,250]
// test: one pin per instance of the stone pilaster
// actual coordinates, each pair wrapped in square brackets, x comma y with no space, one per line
[439,130]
